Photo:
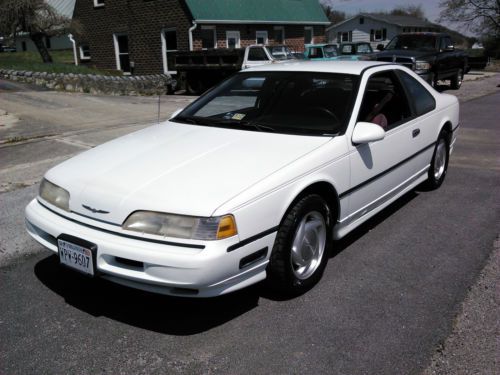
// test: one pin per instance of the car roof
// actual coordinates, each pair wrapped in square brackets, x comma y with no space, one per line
[321,44]
[343,67]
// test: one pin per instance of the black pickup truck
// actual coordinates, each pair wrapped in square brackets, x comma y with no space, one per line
[430,55]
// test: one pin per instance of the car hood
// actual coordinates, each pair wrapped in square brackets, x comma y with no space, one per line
[175,168]
[404,53]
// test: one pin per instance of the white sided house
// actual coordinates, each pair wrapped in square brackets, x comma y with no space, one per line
[376,28]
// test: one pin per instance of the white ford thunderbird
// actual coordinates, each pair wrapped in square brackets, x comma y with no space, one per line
[256,179]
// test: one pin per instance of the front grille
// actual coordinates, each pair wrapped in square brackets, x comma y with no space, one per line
[405,61]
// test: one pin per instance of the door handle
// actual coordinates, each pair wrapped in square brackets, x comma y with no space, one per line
[415,132]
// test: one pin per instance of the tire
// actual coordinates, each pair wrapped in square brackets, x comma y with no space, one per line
[300,251]
[439,162]
[194,86]
[456,80]
[432,80]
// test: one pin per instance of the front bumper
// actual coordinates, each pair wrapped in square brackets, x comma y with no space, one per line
[427,76]
[158,267]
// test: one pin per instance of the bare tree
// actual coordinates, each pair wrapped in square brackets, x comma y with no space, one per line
[480,16]
[34,17]
[334,16]
[409,10]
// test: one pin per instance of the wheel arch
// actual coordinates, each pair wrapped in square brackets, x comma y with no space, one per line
[448,129]
[323,188]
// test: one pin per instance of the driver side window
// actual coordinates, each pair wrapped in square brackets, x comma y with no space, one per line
[384,101]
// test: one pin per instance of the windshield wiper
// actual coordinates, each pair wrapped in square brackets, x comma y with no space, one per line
[227,122]
[256,125]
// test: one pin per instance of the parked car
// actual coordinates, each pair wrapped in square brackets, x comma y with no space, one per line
[5,48]
[199,70]
[255,179]
[430,55]
[327,52]
[356,48]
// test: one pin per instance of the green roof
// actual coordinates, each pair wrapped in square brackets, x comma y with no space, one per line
[258,11]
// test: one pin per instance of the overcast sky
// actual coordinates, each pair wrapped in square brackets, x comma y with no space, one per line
[352,7]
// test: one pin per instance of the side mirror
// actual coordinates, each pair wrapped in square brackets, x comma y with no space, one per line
[176,113]
[380,47]
[365,132]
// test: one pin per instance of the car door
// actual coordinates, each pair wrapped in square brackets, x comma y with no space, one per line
[383,169]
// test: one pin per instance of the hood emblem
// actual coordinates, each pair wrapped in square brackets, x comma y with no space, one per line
[94,210]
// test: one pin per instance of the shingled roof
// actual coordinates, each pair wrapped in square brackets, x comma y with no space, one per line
[402,21]
[63,7]
[306,12]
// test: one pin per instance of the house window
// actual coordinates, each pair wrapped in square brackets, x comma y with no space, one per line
[208,37]
[361,20]
[279,34]
[308,35]
[233,39]
[169,46]
[261,37]
[344,36]
[98,3]
[48,44]
[378,35]
[84,52]
[121,52]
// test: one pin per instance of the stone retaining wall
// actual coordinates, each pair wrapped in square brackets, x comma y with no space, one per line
[94,84]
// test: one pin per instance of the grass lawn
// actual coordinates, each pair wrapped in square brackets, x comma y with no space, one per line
[63,63]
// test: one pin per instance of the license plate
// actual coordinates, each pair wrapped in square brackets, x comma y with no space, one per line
[76,257]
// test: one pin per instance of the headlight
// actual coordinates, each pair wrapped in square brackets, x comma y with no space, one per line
[169,225]
[422,65]
[54,194]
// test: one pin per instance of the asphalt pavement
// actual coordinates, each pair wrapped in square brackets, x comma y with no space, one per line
[387,303]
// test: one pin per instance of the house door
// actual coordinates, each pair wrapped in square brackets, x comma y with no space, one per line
[122,53]
[233,39]
[169,46]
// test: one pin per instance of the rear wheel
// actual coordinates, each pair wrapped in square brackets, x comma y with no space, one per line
[300,250]
[456,80]
[439,162]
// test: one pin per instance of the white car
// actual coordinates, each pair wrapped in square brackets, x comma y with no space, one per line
[256,179]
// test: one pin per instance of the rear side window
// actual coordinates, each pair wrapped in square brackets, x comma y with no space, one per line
[422,99]
[257,54]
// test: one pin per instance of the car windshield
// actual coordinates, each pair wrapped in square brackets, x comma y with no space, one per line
[413,42]
[330,51]
[280,52]
[306,103]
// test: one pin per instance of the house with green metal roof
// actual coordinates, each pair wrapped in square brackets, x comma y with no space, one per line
[141,37]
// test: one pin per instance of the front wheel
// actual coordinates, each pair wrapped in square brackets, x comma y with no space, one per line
[456,80]
[300,250]
[439,162]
